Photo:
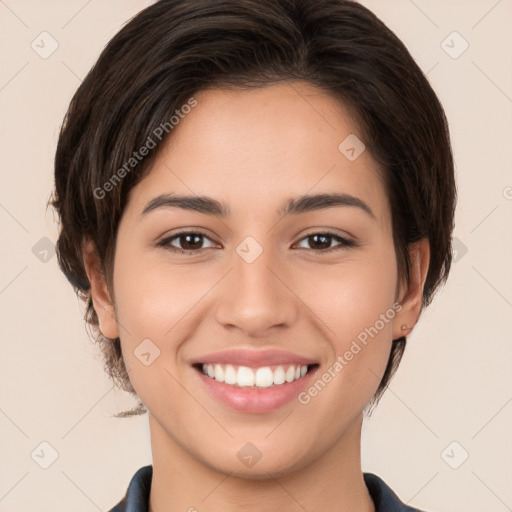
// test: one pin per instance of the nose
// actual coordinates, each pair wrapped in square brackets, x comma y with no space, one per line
[255,298]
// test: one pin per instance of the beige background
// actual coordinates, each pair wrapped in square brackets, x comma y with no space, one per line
[455,379]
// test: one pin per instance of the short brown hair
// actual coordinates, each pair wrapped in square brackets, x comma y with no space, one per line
[176,48]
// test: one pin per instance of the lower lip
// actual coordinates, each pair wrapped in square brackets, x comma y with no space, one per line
[255,400]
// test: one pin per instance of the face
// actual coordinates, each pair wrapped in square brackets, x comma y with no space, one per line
[259,286]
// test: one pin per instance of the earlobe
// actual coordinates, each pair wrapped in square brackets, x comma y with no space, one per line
[101,298]
[412,298]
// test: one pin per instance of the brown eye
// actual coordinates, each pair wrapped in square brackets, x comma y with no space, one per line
[191,241]
[322,242]
[185,242]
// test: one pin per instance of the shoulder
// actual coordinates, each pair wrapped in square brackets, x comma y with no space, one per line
[136,498]
[384,498]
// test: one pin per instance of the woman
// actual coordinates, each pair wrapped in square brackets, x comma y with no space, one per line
[256,202]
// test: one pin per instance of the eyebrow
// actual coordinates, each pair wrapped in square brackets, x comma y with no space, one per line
[293,206]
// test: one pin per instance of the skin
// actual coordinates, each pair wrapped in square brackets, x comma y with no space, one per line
[254,150]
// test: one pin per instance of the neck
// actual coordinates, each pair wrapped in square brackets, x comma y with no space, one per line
[332,482]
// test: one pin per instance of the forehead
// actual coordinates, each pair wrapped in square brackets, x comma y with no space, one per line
[250,148]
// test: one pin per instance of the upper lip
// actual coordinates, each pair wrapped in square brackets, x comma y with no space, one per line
[254,358]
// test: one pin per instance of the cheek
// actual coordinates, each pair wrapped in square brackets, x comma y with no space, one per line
[152,296]
[152,305]
[159,302]
[351,296]
[356,305]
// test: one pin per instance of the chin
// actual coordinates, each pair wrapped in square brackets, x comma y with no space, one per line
[267,467]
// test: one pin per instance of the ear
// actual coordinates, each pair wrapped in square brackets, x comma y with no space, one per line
[412,296]
[102,302]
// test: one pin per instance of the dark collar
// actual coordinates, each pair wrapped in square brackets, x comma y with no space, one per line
[137,495]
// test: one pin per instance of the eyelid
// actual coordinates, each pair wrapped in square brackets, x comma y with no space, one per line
[328,231]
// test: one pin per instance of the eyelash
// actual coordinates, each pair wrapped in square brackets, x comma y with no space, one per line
[344,242]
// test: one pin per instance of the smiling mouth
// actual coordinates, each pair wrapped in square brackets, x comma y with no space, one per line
[255,378]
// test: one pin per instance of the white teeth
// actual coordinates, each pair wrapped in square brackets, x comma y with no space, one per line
[230,375]
[219,373]
[279,375]
[263,377]
[245,377]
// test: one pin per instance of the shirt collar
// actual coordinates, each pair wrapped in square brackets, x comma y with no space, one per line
[137,495]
